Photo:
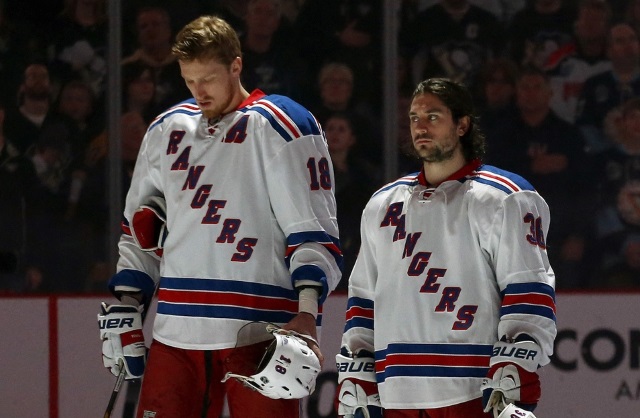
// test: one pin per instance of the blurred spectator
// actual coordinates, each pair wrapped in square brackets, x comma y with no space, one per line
[538,30]
[335,84]
[617,184]
[77,45]
[548,152]
[24,123]
[585,56]
[154,34]
[12,208]
[452,39]
[49,239]
[604,92]
[181,12]
[92,205]
[75,106]
[268,61]
[355,181]
[346,31]
[92,209]
[139,90]
[496,93]
[624,273]
[8,152]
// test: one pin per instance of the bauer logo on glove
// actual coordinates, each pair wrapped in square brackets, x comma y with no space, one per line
[357,393]
[512,377]
[122,339]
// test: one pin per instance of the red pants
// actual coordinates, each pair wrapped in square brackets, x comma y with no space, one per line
[175,382]
[470,409]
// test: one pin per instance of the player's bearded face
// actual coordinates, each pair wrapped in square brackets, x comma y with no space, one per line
[211,84]
[220,105]
[434,133]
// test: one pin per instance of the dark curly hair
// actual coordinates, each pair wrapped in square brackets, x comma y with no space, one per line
[458,99]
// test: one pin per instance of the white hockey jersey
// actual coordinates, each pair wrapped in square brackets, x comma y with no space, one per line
[250,210]
[442,274]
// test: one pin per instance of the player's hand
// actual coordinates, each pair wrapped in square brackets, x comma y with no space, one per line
[305,324]
[512,377]
[357,393]
[122,339]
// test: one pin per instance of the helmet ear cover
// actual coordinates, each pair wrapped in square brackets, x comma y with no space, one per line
[288,369]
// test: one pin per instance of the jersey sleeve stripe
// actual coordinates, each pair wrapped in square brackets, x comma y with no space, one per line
[536,299]
[296,239]
[359,302]
[359,314]
[532,310]
[357,311]
[530,287]
[529,299]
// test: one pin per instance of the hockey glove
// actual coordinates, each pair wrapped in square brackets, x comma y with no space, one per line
[357,388]
[512,377]
[148,224]
[122,339]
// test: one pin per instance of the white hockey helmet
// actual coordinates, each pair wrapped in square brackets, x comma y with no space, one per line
[288,369]
[512,411]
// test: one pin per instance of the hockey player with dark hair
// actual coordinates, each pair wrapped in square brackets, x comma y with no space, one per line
[451,307]
[231,213]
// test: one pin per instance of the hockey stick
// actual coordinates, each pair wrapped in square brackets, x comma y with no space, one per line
[123,373]
[116,389]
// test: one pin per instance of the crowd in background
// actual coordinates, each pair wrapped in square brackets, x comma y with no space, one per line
[557,85]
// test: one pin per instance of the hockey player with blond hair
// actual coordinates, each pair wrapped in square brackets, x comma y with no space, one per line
[231,213]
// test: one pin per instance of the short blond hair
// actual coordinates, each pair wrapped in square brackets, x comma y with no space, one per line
[207,37]
[335,69]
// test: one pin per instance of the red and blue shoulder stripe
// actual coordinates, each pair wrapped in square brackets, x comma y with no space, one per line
[500,179]
[188,107]
[290,119]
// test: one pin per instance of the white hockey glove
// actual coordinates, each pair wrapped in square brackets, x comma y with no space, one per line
[122,339]
[148,224]
[512,377]
[357,387]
